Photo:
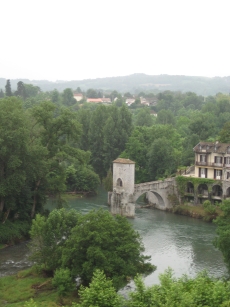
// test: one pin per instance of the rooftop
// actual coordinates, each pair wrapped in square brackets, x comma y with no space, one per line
[123,161]
[212,147]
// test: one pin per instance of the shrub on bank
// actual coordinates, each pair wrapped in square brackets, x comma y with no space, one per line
[12,232]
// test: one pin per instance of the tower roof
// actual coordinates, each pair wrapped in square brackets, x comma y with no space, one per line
[123,161]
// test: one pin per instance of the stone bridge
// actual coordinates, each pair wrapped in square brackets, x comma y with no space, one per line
[125,192]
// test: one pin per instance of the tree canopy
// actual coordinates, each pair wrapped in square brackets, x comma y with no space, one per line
[84,243]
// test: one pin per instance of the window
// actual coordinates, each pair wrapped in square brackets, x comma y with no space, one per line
[227,160]
[202,158]
[217,174]
[218,159]
[203,172]
[228,149]
[119,182]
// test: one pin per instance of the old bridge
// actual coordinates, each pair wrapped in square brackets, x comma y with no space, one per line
[125,192]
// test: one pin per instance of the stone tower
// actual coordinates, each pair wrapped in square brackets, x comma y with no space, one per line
[121,200]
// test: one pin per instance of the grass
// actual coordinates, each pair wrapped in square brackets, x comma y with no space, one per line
[196,212]
[19,288]
[2,245]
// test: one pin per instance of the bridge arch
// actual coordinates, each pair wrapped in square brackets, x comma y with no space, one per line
[153,197]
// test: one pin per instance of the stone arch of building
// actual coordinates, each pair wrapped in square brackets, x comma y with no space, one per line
[160,200]
[190,187]
[228,192]
[202,189]
[217,190]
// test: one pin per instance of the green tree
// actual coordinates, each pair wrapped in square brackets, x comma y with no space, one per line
[108,181]
[96,139]
[100,293]
[21,91]
[14,141]
[67,97]
[8,91]
[54,136]
[222,241]
[31,90]
[165,117]
[91,93]
[161,159]
[143,118]
[184,292]
[202,125]
[63,281]
[1,94]
[49,235]
[224,135]
[101,241]
[55,96]
[81,178]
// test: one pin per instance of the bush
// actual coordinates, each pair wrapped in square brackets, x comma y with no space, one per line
[63,281]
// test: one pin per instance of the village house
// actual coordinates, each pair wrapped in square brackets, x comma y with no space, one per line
[144,101]
[129,101]
[99,100]
[212,160]
[78,96]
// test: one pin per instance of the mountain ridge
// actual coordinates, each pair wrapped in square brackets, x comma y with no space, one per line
[136,83]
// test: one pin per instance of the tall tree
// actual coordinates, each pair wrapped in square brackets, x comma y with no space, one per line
[54,137]
[21,91]
[67,97]
[8,91]
[161,159]
[14,132]
[1,94]
[96,139]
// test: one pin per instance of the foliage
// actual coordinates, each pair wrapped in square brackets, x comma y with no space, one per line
[161,159]
[28,288]
[81,178]
[63,281]
[184,292]
[100,293]
[14,231]
[8,91]
[13,151]
[222,241]
[225,133]
[30,303]
[108,181]
[49,235]
[101,241]
[143,118]
[209,207]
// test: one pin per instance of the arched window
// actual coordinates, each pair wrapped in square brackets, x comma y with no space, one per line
[119,182]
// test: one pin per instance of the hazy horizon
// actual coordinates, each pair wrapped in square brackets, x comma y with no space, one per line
[87,39]
[108,77]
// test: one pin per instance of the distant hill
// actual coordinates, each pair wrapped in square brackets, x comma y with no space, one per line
[136,83]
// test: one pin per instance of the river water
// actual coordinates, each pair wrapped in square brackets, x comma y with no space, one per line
[182,243]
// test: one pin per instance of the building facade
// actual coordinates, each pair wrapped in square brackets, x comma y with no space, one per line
[212,160]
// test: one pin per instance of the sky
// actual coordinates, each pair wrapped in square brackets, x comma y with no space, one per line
[87,39]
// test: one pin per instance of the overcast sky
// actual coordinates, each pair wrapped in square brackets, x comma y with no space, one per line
[79,39]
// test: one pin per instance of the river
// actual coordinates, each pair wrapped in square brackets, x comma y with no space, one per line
[179,242]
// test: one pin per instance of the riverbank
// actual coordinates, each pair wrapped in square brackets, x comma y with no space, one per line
[27,284]
[197,212]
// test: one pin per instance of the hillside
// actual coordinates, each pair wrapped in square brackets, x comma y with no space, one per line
[136,83]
